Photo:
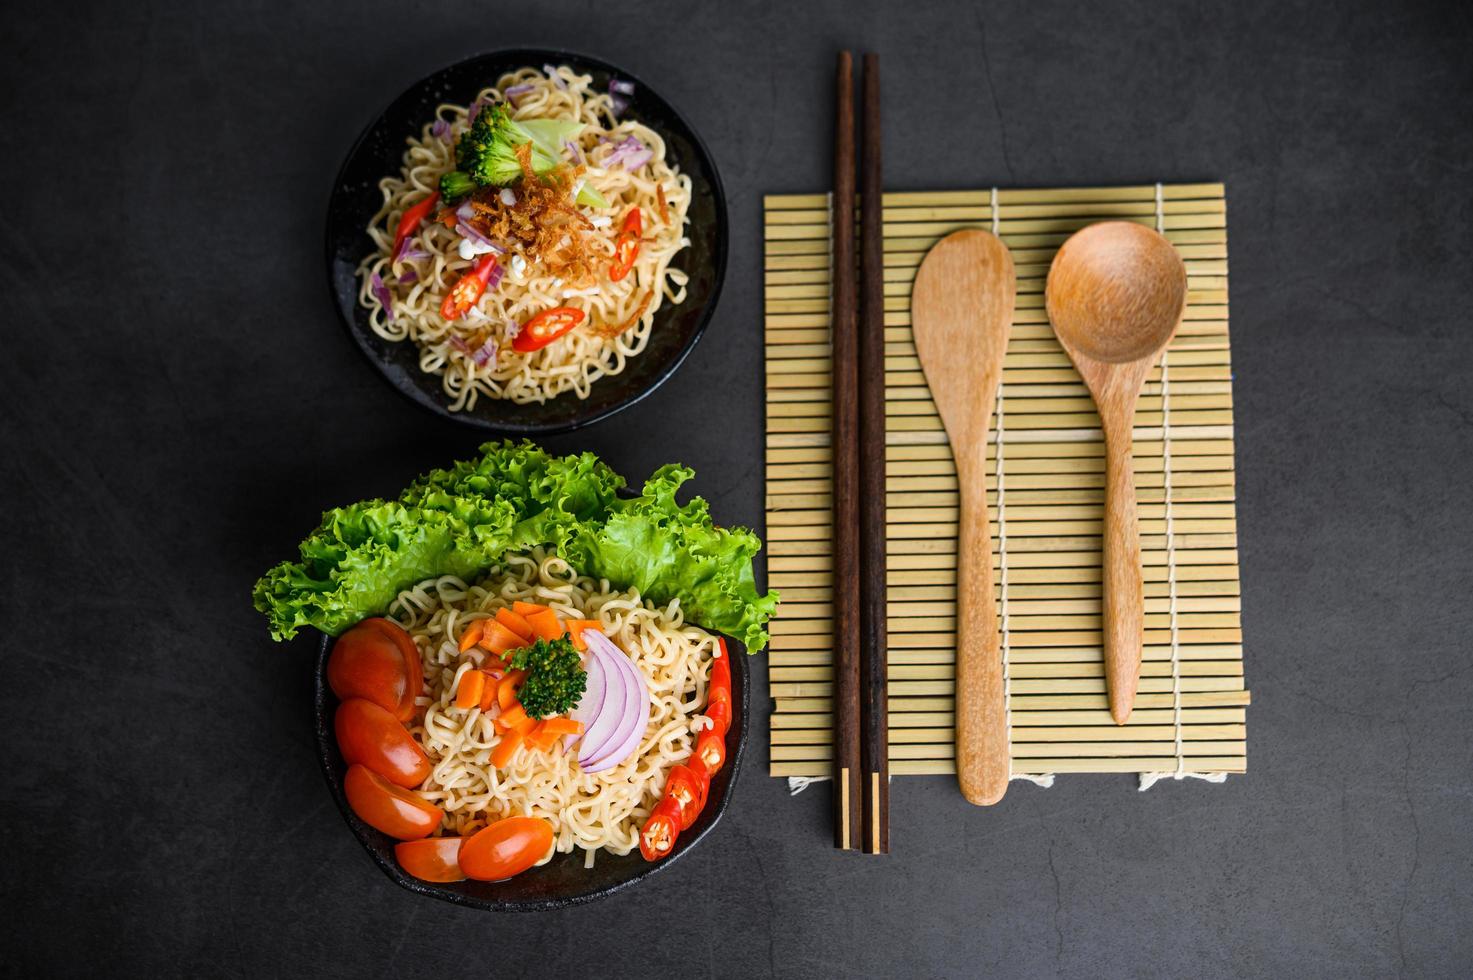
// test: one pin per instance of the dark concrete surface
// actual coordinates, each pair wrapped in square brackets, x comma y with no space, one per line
[180,403]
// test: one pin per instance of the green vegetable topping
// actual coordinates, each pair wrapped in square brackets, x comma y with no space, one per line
[487,151]
[461,521]
[455,185]
[555,677]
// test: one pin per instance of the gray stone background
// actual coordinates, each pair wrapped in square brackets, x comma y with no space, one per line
[180,403]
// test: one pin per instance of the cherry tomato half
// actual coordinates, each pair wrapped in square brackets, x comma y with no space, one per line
[369,735]
[376,660]
[505,848]
[396,811]
[431,859]
[546,327]
[626,246]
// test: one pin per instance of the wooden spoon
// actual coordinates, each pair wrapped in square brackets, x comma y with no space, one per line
[961,312]
[1115,295]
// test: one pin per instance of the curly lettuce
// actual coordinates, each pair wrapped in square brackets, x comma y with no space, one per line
[462,520]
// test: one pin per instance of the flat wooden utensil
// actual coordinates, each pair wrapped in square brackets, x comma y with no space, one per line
[961,314]
[1115,295]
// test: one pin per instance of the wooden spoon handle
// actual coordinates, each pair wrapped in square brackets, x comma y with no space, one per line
[1123,608]
[983,766]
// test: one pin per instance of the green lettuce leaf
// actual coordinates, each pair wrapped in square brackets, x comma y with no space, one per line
[462,520]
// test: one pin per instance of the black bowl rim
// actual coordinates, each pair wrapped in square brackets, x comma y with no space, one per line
[535,56]
[329,759]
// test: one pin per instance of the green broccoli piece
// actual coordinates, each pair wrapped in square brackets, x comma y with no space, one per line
[488,150]
[456,184]
[555,677]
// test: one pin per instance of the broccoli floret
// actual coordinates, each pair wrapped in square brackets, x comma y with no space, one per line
[455,185]
[488,150]
[555,677]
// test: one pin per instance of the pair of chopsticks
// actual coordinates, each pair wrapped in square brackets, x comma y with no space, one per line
[861,723]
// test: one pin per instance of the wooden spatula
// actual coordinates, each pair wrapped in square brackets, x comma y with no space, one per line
[961,313]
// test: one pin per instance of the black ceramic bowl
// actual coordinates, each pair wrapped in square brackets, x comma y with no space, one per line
[563,881]
[377,154]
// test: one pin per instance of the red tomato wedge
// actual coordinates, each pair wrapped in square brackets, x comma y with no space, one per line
[377,661]
[626,246]
[370,736]
[392,809]
[544,328]
[431,859]
[505,848]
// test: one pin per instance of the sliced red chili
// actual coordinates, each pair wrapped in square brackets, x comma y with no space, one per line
[690,790]
[410,222]
[546,327]
[721,668]
[468,288]
[626,246]
[711,750]
[718,709]
[657,839]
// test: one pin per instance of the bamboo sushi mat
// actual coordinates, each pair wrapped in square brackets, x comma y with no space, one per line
[1045,487]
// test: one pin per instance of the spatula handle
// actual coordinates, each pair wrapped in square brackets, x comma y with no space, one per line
[982,754]
[1123,608]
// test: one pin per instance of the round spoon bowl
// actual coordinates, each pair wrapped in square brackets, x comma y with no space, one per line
[1116,291]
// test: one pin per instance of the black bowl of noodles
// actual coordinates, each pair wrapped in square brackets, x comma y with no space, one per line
[378,153]
[564,880]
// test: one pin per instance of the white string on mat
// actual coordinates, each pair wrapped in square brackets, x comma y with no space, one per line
[1043,779]
[1149,779]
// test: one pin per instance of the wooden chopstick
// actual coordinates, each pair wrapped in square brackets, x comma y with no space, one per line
[848,791]
[874,749]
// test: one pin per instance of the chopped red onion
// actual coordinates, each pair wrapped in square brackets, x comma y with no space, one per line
[631,153]
[484,353]
[573,149]
[512,329]
[441,130]
[381,293]
[459,344]
[409,277]
[408,250]
[621,86]
[468,231]
[475,110]
[494,278]
[508,197]
[517,91]
[557,78]
[465,212]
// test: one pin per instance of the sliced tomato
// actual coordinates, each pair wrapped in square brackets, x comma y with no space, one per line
[468,288]
[505,848]
[626,246]
[370,736]
[544,328]
[396,811]
[431,859]
[378,661]
[657,838]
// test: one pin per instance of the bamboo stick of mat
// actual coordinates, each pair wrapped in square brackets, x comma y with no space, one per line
[848,793]
[874,743]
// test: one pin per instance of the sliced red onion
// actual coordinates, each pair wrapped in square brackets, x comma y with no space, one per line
[474,111]
[408,250]
[628,730]
[605,721]
[465,212]
[508,197]
[592,701]
[381,293]
[469,231]
[459,344]
[512,329]
[573,149]
[621,86]
[484,353]
[493,279]
[517,91]
[441,130]
[557,79]
[409,277]
[631,153]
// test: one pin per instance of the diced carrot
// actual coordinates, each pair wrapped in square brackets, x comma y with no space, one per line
[506,748]
[468,693]
[545,624]
[498,639]
[541,739]
[514,622]
[506,691]
[472,635]
[526,726]
[511,717]
[576,628]
[524,608]
[562,726]
[488,692]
